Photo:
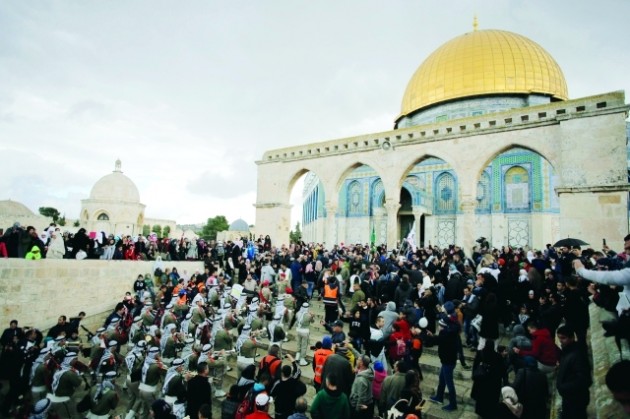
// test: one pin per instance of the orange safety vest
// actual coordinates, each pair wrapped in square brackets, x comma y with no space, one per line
[319,358]
[177,288]
[330,295]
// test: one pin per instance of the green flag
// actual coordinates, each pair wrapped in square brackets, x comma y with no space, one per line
[373,237]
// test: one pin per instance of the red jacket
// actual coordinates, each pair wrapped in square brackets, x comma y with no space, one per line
[404,328]
[543,348]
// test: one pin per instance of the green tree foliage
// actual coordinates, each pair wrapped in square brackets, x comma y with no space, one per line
[76,223]
[62,220]
[157,229]
[166,231]
[50,212]
[213,226]
[146,230]
[295,235]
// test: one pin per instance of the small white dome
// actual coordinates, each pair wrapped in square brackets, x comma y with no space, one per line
[115,187]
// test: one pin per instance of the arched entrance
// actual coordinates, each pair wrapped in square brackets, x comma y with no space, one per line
[405,214]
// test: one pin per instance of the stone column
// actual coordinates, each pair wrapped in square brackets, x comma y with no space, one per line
[392,207]
[331,225]
[465,227]
[380,214]
[417,216]
[274,218]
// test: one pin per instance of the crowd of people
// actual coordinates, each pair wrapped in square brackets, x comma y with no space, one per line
[381,308]
[22,242]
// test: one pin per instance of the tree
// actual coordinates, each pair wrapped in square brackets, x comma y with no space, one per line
[166,231]
[157,229]
[146,230]
[77,223]
[50,212]
[295,236]
[213,226]
[62,220]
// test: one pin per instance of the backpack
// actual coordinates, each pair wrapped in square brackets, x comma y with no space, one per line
[401,348]
[246,407]
[266,368]
[397,410]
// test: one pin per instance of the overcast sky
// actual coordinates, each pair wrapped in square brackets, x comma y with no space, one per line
[190,94]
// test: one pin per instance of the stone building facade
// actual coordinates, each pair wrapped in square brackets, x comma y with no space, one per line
[487,144]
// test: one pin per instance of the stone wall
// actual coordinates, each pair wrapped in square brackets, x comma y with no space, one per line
[37,292]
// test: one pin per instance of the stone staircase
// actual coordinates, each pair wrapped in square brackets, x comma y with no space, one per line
[429,361]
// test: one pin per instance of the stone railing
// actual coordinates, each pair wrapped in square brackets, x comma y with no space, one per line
[36,293]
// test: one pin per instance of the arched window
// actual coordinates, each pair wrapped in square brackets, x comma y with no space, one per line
[516,189]
[484,200]
[103,217]
[445,194]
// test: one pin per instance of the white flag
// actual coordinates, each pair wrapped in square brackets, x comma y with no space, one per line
[411,237]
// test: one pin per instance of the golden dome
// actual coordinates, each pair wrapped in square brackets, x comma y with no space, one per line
[486,62]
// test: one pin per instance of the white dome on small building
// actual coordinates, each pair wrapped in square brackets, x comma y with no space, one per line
[114,205]
[115,187]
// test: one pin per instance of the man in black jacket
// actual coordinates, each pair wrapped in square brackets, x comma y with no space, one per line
[574,375]
[447,351]
[287,390]
[199,391]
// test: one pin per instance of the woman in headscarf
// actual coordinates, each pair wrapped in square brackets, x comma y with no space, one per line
[488,374]
[80,241]
[509,407]
[56,247]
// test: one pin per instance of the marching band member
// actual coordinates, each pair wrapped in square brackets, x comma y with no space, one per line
[168,317]
[168,344]
[174,388]
[40,375]
[104,397]
[304,321]
[276,333]
[64,385]
[134,361]
[110,360]
[245,349]
[135,333]
[152,371]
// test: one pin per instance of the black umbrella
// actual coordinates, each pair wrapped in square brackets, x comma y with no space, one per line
[569,242]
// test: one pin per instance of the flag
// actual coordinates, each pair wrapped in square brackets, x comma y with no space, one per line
[411,237]
[372,237]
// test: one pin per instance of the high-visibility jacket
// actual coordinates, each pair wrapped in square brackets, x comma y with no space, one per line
[319,358]
[330,295]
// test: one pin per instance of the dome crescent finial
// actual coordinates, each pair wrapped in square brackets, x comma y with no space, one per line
[475,23]
[118,166]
